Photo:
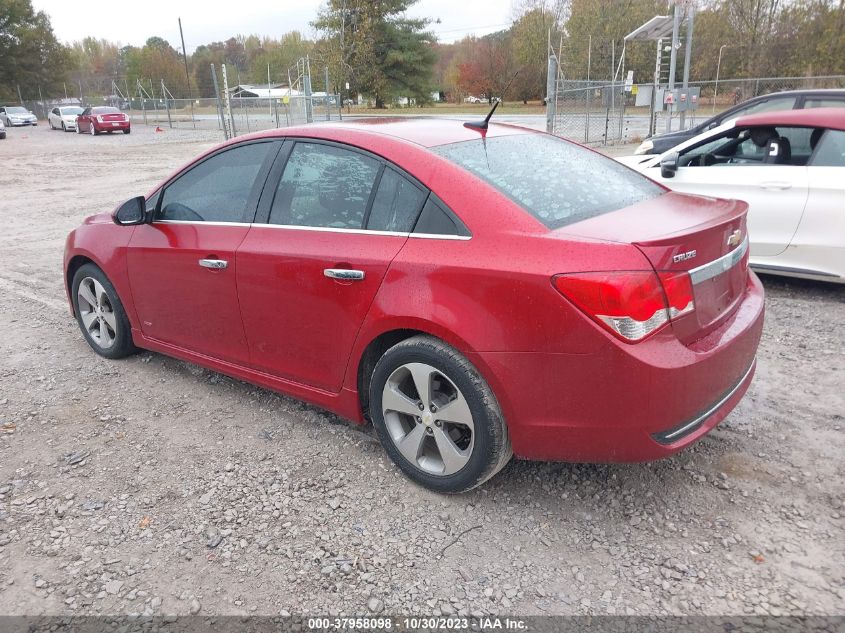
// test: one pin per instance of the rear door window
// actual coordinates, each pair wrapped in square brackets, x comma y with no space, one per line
[830,152]
[557,182]
[324,186]
[825,102]
[396,204]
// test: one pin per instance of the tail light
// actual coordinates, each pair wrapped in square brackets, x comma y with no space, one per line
[100,118]
[630,304]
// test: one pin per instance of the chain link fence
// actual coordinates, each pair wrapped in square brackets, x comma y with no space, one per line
[610,112]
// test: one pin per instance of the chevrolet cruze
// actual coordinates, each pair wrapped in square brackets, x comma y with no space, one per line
[475,292]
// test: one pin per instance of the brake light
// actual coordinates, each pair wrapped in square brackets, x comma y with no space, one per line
[100,118]
[630,304]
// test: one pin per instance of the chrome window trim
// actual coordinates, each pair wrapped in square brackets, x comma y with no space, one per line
[201,223]
[440,236]
[720,265]
[325,229]
[328,229]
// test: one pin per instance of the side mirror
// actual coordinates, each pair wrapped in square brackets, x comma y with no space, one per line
[669,165]
[131,212]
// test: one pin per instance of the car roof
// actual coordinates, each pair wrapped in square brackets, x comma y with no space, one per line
[423,131]
[812,117]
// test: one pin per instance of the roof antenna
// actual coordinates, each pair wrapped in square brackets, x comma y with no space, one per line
[482,125]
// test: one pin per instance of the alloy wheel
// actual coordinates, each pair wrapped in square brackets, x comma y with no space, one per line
[96,312]
[428,419]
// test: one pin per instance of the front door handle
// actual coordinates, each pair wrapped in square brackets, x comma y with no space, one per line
[344,274]
[214,264]
[780,185]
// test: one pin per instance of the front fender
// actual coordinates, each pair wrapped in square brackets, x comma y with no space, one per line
[105,244]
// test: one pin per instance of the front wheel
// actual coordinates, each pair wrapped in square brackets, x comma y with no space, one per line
[436,417]
[100,313]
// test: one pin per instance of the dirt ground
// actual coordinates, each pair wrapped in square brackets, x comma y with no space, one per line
[152,486]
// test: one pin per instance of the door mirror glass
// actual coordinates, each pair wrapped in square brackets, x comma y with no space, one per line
[669,165]
[131,212]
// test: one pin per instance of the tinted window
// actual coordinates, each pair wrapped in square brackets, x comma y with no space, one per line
[105,110]
[770,105]
[557,182]
[824,102]
[436,220]
[216,190]
[396,204]
[324,186]
[830,151]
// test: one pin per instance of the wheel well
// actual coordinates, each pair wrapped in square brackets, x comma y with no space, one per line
[375,350]
[76,262]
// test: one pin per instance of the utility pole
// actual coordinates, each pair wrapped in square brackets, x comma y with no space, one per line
[687,56]
[673,58]
[187,75]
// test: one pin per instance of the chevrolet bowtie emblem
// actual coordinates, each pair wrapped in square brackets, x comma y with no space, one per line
[735,238]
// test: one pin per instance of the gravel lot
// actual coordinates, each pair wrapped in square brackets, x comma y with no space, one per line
[151,486]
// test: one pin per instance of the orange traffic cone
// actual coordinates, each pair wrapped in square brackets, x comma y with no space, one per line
[158,129]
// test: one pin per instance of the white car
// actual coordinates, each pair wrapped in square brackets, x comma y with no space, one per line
[2,130]
[13,116]
[64,118]
[789,167]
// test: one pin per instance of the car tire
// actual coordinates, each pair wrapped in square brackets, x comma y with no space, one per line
[127,130]
[449,454]
[78,129]
[100,313]
[64,127]
[93,129]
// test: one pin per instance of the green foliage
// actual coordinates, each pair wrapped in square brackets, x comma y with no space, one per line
[30,54]
[379,51]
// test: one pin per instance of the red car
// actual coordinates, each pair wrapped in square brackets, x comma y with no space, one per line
[475,293]
[101,119]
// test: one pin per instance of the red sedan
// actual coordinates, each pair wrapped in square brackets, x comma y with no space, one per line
[101,119]
[474,293]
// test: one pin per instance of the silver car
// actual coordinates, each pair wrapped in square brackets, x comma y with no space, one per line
[14,116]
[2,130]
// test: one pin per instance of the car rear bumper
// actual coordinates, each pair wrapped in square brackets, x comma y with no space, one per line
[627,403]
[111,125]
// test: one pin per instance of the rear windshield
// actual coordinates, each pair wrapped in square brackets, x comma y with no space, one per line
[557,182]
[105,110]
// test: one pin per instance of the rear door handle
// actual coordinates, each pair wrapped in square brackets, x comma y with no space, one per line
[776,185]
[344,274]
[214,264]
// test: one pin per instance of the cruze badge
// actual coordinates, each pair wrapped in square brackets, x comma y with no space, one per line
[735,238]
[682,257]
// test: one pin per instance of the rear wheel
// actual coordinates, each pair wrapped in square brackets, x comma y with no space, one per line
[100,313]
[93,129]
[436,416]
[127,130]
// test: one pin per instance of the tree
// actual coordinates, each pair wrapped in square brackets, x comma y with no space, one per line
[378,50]
[489,67]
[536,23]
[30,55]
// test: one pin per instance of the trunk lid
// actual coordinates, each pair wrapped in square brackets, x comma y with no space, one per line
[706,237]
[113,117]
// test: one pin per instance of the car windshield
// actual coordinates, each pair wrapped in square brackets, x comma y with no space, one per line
[17,111]
[557,182]
[105,110]
[71,110]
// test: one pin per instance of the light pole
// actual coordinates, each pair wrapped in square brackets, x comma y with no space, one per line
[718,67]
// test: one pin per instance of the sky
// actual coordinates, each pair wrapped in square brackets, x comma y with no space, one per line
[203,24]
